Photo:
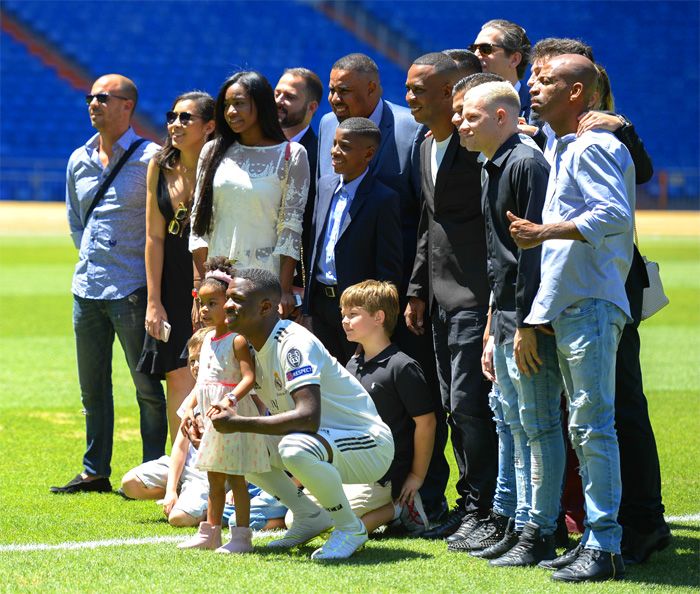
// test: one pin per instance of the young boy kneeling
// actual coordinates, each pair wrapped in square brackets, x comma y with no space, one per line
[399,391]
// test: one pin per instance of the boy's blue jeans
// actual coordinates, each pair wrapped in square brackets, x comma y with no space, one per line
[587,335]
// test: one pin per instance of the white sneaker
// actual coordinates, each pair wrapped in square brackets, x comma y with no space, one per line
[341,544]
[304,528]
[413,516]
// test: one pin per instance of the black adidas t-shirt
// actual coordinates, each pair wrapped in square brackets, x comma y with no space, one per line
[397,386]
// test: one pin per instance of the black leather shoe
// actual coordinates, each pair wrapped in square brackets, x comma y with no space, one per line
[532,548]
[592,566]
[81,485]
[488,532]
[562,560]
[468,525]
[637,546]
[509,540]
[451,523]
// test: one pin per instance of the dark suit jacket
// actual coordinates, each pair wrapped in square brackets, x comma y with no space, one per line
[450,265]
[396,164]
[369,244]
[524,94]
[310,142]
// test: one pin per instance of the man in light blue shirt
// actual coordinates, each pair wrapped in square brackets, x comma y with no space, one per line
[587,238]
[109,283]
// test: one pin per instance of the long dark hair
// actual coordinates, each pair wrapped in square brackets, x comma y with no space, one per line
[262,95]
[168,156]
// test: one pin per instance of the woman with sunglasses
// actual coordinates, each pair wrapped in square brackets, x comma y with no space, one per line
[170,185]
[252,186]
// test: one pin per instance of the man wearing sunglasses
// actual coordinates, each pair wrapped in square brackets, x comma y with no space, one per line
[107,220]
[504,49]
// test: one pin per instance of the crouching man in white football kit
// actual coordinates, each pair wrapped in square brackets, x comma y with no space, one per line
[329,430]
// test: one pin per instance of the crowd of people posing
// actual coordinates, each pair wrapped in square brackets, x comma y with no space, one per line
[327,311]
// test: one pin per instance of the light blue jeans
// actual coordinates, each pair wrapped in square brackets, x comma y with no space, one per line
[520,462]
[587,335]
[504,497]
[539,397]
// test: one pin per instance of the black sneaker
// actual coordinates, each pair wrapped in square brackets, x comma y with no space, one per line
[468,525]
[530,550]
[448,526]
[592,566]
[509,540]
[562,560]
[638,546]
[81,485]
[488,532]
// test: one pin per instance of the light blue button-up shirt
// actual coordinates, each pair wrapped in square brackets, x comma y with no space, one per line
[111,246]
[340,205]
[592,184]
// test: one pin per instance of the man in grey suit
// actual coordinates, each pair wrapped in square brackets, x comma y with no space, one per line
[355,90]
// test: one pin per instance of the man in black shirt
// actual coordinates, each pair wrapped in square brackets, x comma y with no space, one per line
[525,360]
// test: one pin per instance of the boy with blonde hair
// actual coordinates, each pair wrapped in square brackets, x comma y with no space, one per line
[397,386]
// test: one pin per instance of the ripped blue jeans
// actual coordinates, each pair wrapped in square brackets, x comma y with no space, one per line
[587,333]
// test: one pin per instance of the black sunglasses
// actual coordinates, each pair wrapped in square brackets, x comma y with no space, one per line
[485,49]
[185,117]
[103,97]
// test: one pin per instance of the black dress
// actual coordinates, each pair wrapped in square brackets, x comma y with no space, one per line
[160,357]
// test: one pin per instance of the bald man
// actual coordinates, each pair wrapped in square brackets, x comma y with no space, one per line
[107,219]
[587,237]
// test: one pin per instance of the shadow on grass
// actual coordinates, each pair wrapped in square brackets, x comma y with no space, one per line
[366,556]
[677,565]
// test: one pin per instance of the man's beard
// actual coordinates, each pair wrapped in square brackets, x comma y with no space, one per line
[289,120]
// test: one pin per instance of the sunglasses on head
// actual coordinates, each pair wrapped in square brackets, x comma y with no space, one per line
[103,97]
[485,49]
[185,118]
[177,225]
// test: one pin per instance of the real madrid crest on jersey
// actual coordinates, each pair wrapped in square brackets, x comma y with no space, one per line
[294,357]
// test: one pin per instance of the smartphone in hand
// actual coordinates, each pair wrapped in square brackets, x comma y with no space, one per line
[165,331]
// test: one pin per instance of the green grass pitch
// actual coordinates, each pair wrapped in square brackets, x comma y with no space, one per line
[42,439]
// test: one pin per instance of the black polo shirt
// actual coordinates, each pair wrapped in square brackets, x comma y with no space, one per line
[397,386]
[515,180]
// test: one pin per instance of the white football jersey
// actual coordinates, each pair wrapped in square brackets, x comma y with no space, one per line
[293,357]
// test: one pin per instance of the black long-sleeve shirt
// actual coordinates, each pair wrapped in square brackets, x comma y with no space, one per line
[515,180]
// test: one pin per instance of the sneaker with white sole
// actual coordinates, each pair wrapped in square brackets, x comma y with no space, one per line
[413,516]
[341,545]
[304,529]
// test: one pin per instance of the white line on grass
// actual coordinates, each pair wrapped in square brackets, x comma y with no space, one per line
[111,542]
[117,542]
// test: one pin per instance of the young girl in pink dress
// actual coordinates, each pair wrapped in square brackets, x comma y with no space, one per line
[226,370]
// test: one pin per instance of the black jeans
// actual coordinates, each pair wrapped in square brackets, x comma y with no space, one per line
[458,338]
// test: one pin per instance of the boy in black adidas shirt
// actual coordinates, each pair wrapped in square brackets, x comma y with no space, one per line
[399,391]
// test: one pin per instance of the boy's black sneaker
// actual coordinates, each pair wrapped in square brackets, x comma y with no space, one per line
[592,566]
[489,532]
[530,550]
[509,540]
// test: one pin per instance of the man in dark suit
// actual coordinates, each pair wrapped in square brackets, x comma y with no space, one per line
[298,95]
[504,49]
[450,282]
[354,90]
[356,229]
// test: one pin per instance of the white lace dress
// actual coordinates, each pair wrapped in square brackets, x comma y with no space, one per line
[251,224]
[229,453]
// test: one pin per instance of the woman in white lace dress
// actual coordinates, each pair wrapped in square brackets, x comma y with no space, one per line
[252,186]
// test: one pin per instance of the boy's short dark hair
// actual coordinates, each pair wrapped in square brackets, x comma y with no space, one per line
[362,127]
[374,296]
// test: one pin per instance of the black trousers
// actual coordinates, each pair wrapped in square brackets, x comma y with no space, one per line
[326,323]
[458,338]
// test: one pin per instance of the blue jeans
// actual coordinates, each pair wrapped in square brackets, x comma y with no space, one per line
[95,322]
[587,334]
[504,498]
[503,363]
[539,398]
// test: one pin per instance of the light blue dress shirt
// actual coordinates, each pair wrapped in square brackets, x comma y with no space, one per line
[592,184]
[340,205]
[111,246]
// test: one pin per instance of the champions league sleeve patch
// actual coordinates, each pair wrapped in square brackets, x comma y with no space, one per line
[295,373]
[294,357]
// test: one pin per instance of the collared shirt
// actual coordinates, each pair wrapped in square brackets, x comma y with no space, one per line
[592,184]
[111,247]
[340,205]
[515,181]
[297,137]
[376,115]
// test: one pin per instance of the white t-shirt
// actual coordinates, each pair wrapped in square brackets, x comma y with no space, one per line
[437,152]
[293,357]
